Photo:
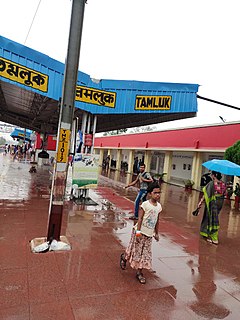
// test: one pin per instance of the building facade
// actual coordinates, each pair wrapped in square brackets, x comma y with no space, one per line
[179,153]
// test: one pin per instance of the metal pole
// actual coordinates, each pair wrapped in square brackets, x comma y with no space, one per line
[73,136]
[94,131]
[65,122]
[88,123]
[83,129]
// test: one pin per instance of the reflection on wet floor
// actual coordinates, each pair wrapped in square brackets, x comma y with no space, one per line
[190,279]
[190,264]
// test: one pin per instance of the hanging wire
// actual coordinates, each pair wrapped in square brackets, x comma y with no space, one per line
[218,102]
[32,21]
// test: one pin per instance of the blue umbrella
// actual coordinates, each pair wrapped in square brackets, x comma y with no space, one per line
[223,166]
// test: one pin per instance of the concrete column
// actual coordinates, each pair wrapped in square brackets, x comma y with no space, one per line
[147,160]
[66,114]
[130,166]
[94,132]
[118,164]
[110,155]
[101,160]
[167,168]
[196,169]
[192,205]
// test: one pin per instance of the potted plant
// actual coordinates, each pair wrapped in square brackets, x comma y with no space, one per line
[159,177]
[237,195]
[188,184]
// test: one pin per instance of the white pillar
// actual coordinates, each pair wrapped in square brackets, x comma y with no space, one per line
[196,169]
[147,159]
[167,168]
[130,166]
[101,160]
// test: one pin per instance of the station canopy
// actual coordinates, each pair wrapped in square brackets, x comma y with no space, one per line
[31,87]
[20,134]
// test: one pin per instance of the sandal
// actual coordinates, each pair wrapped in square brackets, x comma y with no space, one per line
[133,218]
[213,241]
[141,278]
[123,262]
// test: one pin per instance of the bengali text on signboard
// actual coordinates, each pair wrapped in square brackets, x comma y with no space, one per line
[95,96]
[21,74]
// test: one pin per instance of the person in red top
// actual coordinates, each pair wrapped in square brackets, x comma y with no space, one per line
[213,195]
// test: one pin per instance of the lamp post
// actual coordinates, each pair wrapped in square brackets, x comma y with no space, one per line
[65,121]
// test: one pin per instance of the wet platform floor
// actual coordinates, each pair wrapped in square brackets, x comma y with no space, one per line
[190,279]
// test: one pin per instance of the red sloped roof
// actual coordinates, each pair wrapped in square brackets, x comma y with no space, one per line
[208,137]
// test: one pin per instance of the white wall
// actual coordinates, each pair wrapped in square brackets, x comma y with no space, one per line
[182,165]
[157,162]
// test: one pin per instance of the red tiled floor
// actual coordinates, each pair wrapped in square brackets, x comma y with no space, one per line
[130,305]
[83,283]
[13,287]
[16,312]
[87,282]
[50,310]
[46,261]
[45,281]
[12,256]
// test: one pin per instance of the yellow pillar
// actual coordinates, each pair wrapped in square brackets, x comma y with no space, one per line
[192,205]
[196,169]
[119,155]
[147,160]
[101,157]
[118,165]
[110,155]
[167,168]
[130,166]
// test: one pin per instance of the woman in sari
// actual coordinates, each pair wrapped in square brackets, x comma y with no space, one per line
[213,195]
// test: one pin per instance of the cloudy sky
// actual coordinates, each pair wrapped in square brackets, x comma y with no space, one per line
[187,41]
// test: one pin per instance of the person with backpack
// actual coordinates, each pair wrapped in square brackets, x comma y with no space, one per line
[144,178]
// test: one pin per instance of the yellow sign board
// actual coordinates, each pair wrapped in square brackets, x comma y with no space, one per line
[94,96]
[63,145]
[153,102]
[21,74]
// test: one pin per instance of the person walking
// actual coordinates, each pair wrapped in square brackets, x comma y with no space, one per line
[107,163]
[135,166]
[139,250]
[213,195]
[144,179]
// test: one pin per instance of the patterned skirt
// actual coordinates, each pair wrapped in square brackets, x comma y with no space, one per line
[210,220]
[139,252]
